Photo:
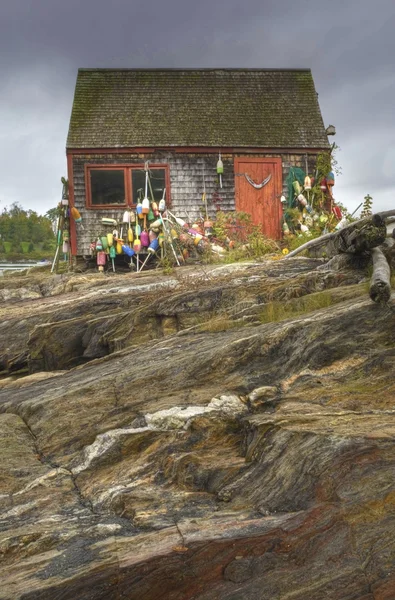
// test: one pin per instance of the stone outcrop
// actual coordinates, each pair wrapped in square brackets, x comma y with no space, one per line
[201,449]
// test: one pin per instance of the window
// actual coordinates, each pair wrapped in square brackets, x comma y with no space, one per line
[107,187]
[116,186]
[157,179]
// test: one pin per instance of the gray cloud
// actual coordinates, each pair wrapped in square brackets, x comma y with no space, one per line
[349,46]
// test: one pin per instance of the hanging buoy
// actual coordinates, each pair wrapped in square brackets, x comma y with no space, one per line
[152,235]
[119,246]
[302,200]
[156,224]
[283,199]
[101,260]
[304,228]
[98,245]
[125,220]
[220,170]
[110,239]
[337,211]
[65,247]
[104,242]
[137,243]
[144,239]
[139,210]
[150,215]
[162,202]
[155,209]
[66,235]
[115,234]
[128,251]
[108,221]
[330,178]
[113,254]
[323,184]
[161,239]
[145,206]
[307,183]
[132,217]
[181,223]
[75,214]
[130,235]
[296,187]
[154,246]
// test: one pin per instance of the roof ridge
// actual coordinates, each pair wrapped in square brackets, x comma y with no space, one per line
[169,69]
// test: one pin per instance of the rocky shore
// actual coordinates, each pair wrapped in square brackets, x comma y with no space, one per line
[221,432]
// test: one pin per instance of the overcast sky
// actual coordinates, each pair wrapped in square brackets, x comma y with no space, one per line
[348,44]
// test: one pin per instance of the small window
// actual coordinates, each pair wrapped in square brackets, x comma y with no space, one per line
[157,179]
[107,187]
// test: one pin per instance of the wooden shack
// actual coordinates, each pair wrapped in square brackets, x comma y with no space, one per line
[259,122]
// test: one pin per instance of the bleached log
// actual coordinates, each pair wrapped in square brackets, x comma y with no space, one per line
[360,236]
[380,283]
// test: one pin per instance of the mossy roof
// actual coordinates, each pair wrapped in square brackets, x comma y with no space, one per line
[196,107]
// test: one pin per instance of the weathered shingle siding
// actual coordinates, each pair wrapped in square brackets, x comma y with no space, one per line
[186,182]
[204,107]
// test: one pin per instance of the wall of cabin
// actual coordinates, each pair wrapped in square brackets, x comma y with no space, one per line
[187,173]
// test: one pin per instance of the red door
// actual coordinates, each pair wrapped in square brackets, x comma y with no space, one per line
[260,201]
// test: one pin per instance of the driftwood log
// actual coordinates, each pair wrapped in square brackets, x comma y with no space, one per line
[380,283]
[358,237]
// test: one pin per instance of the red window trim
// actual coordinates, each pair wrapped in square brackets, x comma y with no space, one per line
[127,169]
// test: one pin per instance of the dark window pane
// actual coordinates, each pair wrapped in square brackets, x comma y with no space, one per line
[158,183]
[107,187]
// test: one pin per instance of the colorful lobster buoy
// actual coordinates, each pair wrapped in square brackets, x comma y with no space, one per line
[296,187]
[104,242]
[220,170]
[101,260]
[125,220]
[98,245]
[130,235]
[307,183]
[113,254]
[156,224]
[155,209]
[119,246]
[154,246]
[139,210]
[323,184]
[144,239]
[137,243]
[110,239]
[152,235]
[128,251]
[108,221]
[337,212]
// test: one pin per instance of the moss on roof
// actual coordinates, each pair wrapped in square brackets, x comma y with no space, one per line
[202,107]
